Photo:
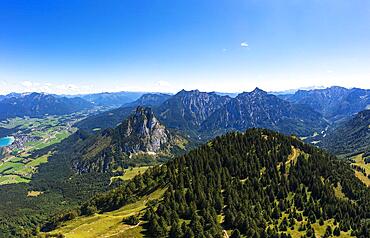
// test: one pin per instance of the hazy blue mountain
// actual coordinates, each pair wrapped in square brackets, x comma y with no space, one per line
[232,95]
[13,95]
[149,100]
[334,103]
[106,119]
[111,118]
[40,104]
[116,99]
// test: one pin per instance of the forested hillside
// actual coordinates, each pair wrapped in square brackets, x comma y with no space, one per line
[351,136]
[55,188]
[253,184]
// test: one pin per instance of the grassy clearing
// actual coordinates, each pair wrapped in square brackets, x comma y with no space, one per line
[11,172]
[8,179]
[48,139]
[359,161]
[9,166]
[319,230]
[291,158]
[294,155]
[131,173]
[338,192]
[40,160]
[34,193]
[108,224]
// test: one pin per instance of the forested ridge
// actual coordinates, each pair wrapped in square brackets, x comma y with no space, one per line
[253,184]
[351,136]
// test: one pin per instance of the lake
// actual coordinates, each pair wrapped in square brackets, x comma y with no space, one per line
[5,141]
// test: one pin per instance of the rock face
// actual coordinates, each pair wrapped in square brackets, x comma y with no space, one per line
[141,136]
[334,103]
[260,109]
[189,109]
[142,132]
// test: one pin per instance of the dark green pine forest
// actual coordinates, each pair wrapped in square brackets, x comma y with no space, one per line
[254,184]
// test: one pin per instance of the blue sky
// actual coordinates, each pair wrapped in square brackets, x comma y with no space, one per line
[76,46]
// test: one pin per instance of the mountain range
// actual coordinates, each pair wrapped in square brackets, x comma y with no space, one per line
[116,99]
[40,104]
[251,183]
[204,115]
[111,118]
[334,103]
[263,110]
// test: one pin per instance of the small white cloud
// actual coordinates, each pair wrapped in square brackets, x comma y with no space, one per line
[224,50]
[329,71]
[244,44]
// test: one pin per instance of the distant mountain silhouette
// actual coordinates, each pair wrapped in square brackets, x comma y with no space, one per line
[40,104]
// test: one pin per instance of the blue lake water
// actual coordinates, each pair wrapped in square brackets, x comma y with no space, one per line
[5,141]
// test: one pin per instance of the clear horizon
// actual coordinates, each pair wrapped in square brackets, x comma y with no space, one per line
[287,91]
[79,47]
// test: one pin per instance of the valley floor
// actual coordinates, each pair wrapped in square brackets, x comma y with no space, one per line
[31,134]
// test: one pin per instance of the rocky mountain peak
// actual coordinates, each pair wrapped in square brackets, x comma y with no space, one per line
[258,91]
[142,131]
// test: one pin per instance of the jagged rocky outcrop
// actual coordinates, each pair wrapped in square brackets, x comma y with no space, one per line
[142,131]
[189,109]
[140,137]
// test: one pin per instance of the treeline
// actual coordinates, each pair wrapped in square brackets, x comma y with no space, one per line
[245,183]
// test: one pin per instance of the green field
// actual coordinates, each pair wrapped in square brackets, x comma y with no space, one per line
[108,224]
[130,173]
[32,134]
[359,161]
[20,172]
